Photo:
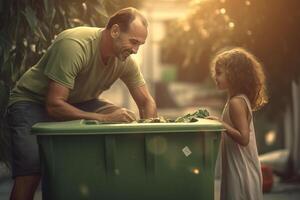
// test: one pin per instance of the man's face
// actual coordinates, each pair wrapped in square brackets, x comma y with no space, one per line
[126,43]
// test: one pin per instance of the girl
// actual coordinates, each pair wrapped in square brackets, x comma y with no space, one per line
[241,75]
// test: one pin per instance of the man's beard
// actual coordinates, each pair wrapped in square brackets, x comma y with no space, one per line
[123,55]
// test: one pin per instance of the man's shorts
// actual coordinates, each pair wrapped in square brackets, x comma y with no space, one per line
[21,116]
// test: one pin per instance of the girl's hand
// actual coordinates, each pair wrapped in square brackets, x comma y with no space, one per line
[213,118]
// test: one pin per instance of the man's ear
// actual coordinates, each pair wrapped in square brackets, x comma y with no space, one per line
[115,31]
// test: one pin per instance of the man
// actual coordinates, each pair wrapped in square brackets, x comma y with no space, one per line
[65,84]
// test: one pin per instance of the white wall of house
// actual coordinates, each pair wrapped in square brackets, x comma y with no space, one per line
[157,13]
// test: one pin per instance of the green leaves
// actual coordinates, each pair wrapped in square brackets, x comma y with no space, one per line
[200,113]
[30,17]
[3,96]
[32,20]
[4,136]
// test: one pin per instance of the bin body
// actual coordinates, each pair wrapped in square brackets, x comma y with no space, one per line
[81,160]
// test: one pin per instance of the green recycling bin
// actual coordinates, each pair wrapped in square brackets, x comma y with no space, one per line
[86,159]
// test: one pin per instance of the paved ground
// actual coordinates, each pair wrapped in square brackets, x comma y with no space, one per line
[280,191]
[284,192]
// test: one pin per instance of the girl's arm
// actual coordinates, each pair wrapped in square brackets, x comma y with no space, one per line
[238,112]
[239,115]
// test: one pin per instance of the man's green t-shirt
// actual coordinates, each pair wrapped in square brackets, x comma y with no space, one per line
[73,60]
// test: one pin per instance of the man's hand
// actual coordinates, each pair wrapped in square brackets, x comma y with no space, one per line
[120,115]
[144,101]
[57,107]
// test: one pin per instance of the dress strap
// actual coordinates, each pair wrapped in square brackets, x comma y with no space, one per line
[247,102]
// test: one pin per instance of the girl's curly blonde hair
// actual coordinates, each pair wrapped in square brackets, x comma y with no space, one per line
[244,74]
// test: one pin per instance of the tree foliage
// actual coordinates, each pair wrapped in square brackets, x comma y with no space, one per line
[28,27]
[269,29]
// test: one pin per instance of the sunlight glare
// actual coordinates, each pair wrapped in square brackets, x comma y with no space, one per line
[84,6]
[196,171]
[84,190]
[137,58]
[223,11]
[196,1]
[226,17]
[204,33]
[25,42]
[270,137]
[33,47]
[186,27]
[191,42]
[158,145]
[231,25]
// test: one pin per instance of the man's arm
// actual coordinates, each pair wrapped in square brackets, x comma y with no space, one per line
[58,107]
[144,101]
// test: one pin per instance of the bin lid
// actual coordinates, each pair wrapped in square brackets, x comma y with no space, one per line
[77,127]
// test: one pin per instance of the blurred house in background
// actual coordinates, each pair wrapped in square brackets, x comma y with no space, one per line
[173,98]
[178,98]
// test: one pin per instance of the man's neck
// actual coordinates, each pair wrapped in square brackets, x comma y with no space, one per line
[106,46]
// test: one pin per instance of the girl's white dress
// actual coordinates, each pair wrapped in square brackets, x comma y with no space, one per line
[241,177]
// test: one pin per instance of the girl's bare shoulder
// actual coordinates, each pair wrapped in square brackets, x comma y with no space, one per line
[238,104]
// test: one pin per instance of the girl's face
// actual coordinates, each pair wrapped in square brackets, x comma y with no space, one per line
[220,78]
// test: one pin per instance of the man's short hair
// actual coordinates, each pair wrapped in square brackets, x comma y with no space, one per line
[124,17]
